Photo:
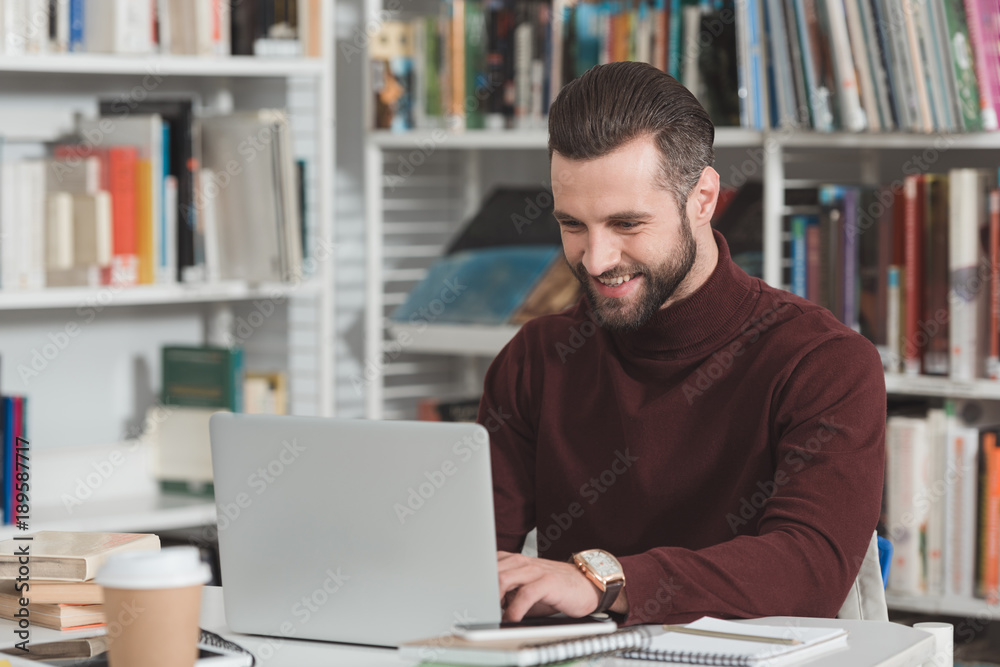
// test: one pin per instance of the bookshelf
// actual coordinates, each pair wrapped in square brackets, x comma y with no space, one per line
[94,392]
[94,64]
[422,183]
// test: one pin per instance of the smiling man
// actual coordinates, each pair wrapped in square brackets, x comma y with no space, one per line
[687,440]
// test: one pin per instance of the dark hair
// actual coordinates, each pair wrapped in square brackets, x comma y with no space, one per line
[615,103]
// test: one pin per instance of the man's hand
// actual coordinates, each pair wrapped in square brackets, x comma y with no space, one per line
[541,587]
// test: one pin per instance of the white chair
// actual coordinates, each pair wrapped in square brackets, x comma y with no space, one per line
[866,599]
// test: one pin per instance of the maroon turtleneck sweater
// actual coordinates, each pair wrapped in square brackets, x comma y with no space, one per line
[730,453]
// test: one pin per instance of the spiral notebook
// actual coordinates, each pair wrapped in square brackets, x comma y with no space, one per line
[715,646]
[718,644]
[454,650]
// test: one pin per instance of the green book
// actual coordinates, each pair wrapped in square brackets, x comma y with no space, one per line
[204,377]
[963,64]
[475,66]
[432,65]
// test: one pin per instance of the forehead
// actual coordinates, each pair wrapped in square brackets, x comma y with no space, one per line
[626,178]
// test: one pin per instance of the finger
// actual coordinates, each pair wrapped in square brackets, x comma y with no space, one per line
[505,555]
[524,600]
[515,561]
[512,578]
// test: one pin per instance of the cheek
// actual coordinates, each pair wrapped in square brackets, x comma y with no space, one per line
[573,247]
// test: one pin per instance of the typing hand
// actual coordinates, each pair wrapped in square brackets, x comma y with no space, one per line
[541,587]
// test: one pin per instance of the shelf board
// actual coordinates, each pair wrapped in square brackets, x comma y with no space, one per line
[193,66]
[144,295]
[941,605]
[450,339]
[925,385]
[887,140]
[517,139]
[151,513]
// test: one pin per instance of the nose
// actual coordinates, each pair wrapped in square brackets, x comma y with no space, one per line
[601,253]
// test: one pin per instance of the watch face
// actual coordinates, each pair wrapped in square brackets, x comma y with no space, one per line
[601,563]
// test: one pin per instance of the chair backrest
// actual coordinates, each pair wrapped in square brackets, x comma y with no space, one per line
[866,599]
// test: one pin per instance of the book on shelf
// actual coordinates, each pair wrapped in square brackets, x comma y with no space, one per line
[265,393]
[503,267]
[130,199]
[826,65]
[13,436]
[181,449]
[67,555]
[207,28]
[250,191]
[909,266]
[202,376]
[942,504]
[448,410]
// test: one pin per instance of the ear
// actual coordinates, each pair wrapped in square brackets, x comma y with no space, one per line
[701,202]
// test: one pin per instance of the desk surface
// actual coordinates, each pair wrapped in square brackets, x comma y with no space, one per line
[870,643]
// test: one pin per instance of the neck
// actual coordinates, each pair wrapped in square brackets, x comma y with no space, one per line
[705,260]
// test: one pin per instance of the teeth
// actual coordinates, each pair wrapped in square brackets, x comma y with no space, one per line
[614,282]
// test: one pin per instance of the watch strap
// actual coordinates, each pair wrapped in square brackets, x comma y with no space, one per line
[610,595]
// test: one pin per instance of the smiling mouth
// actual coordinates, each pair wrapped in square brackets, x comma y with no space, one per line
[618,280]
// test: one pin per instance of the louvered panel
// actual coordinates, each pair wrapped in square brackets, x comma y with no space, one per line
[421,216]
[303,327]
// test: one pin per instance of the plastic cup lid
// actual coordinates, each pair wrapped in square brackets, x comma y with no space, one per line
[172,567]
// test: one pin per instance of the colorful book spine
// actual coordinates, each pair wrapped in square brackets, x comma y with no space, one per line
[989,513]
[913,262]
[894,307]
[122,161]
[799,259]
[993,358]
[986,74]
[849,260]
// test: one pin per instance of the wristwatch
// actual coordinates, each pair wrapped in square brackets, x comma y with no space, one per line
[604,571]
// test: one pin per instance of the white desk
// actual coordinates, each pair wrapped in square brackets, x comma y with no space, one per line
[870,643]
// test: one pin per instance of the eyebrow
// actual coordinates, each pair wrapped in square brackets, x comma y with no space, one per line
[621,215]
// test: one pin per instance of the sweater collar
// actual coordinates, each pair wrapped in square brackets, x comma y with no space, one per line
[701,321]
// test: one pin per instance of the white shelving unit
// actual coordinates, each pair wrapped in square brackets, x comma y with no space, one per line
[97,388]
[421,185]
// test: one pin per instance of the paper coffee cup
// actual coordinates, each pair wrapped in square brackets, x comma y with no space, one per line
[944,643]
[152,602]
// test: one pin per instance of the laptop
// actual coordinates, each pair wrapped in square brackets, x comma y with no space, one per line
[366,532]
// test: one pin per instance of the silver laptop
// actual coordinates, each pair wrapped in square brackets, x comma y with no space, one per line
[368,532]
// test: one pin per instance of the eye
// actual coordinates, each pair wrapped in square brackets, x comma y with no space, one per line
[569,224]
[627,224]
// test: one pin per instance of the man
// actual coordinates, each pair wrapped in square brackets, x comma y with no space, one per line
[723,439]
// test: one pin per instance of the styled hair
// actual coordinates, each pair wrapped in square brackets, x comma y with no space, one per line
[612,104]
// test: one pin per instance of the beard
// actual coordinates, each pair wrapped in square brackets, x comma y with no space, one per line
[659,284]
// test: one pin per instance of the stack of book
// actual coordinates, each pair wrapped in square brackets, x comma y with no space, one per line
[942,505]
[136,198]
[197,382]
[59,590]
[184,27]
[828,65]
[13,435]
[912,265]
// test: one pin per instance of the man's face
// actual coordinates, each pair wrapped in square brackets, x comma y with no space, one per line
[622,233]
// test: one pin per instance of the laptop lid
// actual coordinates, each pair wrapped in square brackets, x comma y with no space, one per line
[369,532]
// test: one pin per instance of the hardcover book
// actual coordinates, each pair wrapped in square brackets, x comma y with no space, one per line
[206,377]
[67,555]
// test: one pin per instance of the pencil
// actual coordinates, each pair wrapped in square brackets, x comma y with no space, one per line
[732,635]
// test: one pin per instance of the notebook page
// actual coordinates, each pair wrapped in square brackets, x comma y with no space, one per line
[679,646]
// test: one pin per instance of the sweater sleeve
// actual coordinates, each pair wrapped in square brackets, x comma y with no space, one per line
[505,411]
[807,541]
